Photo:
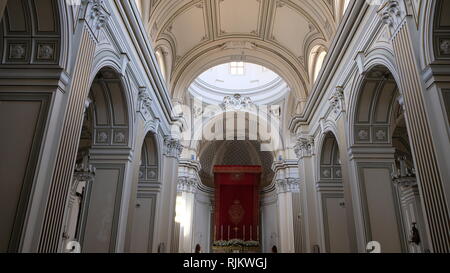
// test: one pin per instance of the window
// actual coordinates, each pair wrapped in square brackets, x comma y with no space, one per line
[319,63]
[316,58]
[237,68]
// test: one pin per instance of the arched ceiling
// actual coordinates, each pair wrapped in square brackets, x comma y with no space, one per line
[234,152]
[276,33]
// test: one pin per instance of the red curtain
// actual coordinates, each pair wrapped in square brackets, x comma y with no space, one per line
[237,202]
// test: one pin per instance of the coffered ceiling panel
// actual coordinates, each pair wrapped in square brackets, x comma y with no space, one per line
[290,28]
[188,29]
[237,16]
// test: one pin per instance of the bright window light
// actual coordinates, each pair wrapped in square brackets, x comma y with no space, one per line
[237,68]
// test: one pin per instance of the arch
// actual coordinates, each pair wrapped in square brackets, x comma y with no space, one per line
[33,35]
[104,140]
[31,39]
[105,58]
[330,186]
[372,112]
[330,167]
[276,144]
[379,57]
[434,32]
[146,192]
[251,51]
[377,123]
[234,152]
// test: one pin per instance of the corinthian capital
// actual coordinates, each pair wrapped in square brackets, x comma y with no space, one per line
[187,184]
[288,185]
[95,14]
[392,13]
[304,146]
[173,147]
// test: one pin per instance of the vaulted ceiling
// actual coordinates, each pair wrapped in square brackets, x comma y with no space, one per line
[193,36]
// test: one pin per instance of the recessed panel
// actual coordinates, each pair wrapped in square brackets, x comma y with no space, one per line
[237,16]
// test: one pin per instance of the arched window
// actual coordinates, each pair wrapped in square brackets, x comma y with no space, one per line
[160,58]
[316,58]
[340,8]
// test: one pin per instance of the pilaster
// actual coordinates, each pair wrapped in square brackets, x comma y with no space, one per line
[429,174]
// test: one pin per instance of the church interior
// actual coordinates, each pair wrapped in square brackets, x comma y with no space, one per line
[224,126]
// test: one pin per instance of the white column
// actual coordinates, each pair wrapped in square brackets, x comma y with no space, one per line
[188,181]
[285,188]
[305,152]
[165,222]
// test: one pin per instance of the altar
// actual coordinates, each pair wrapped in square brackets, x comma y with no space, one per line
[236,227]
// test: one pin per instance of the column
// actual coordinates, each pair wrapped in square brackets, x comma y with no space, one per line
[288,192]
[304,150]
[429,176]
[188,181]
[165,220]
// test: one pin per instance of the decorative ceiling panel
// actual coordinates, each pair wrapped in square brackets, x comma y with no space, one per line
[290,28]
[237,16]
[188,29]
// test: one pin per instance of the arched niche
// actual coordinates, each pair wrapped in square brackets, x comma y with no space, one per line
[316,59]
[372,116]
[94,206]
[330,187]
[330,163]
[384,164]
[146,196]
[32,33]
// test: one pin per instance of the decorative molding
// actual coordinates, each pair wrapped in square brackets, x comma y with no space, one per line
[144,103]
[392,14]
[98,14]
[173,147]
[187,184]
[288,185]
[304,147]
[445,47]
[239,45]
[337,101]
[236,103]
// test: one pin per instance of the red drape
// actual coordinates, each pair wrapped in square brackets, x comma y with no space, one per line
[237,202]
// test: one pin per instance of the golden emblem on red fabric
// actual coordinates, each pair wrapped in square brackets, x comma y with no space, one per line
[236,212]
